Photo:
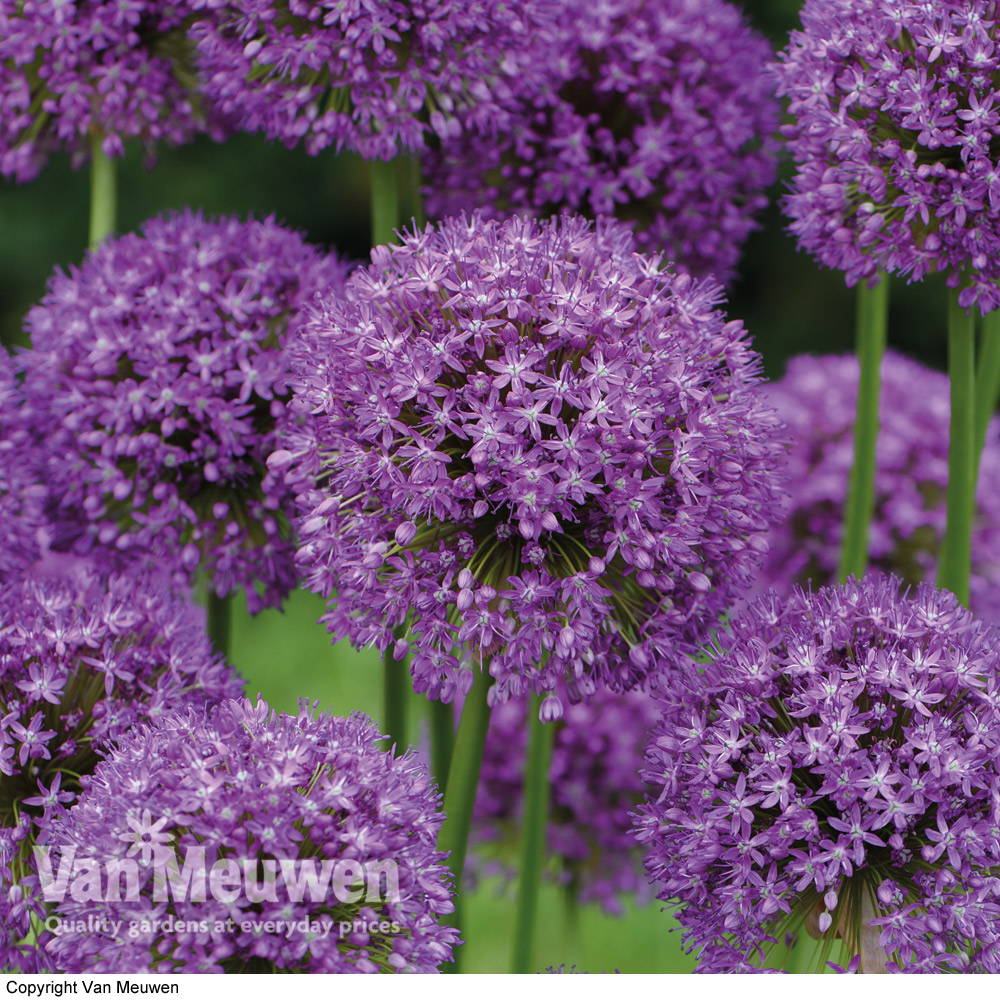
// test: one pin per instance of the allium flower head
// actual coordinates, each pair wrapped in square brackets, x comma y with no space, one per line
[266,799]
[535,444]
[70,71]
[82,657]
[659,113]
[837,766]
[22,490]
[373,77]
[162,357]
[594,787]
[817,400]
[893,133]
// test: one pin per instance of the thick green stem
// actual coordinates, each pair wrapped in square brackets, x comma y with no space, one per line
[385,200]
[463,782]
[571,913]
[536,812]
[103,195]
[957,552]
[442,740]
[416,198]
[395,693]
[987,379]
[870,330]
[220,621]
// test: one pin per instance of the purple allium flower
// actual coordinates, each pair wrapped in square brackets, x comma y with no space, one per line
[70,71]
[83,656]
[657,113]
[266,799]
[22,491]
[594,787]
[540,448]
[162,358]
[837,760]
[893,134]
[817,400]
[373,77]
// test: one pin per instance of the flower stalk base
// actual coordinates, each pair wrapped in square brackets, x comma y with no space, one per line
[871,324]
[536,800]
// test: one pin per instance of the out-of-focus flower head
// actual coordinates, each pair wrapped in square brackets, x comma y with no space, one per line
[70,72]
[373,77]
[594,788]
[817,400]
[658,113]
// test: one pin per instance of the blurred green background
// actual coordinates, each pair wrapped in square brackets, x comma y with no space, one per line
[788,304]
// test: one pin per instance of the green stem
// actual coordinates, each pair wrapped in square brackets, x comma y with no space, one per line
[416,199]
[536,811]
[463,781]
[956,554]
[571,912]
[871,323]
[103,195]
[987,379]
[220,621]
[385,200]
[442,740]
[395,695]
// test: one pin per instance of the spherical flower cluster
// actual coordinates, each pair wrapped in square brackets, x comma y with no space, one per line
[83,656]
[894,136]
[162,361]
[22,490]
[817,400]
[657,113]
[374,77]
[837,767]
[594,787]
[538,447]
[70,72]
[251,803]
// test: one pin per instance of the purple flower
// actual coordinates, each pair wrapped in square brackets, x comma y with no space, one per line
[660,114]
[817,401]
[535,445]
[594,788]
[162,362]
[83,655]
[893,133]
[375,77]
[313,849]
[70,71]
[834,769]
[22,493]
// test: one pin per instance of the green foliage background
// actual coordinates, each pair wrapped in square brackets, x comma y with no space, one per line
[788,304]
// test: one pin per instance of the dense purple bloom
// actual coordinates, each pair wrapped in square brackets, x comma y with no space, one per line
[817,400]
[371,76]
[83,655]
[243,789]
[70,71]
[893,134]
[22,491]
[162,358]
[839,758]
[594,787]
[535,444]
[657,113]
